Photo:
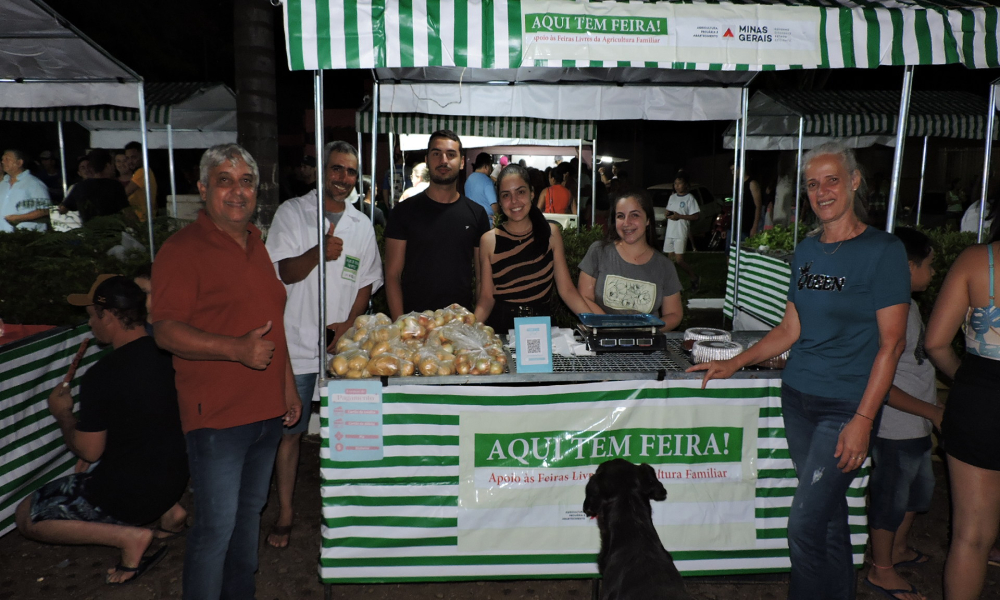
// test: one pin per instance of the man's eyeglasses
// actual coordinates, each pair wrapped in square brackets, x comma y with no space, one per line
[339,170]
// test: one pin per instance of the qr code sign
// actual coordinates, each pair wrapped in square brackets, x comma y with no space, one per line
[533,346]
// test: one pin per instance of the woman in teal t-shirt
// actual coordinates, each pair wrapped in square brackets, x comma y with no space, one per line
[845,322]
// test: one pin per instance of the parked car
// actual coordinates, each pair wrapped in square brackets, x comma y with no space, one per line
[709,208]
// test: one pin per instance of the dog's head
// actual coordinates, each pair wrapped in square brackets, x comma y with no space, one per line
[618,477]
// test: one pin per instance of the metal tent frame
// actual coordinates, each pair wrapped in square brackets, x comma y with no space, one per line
[48,62]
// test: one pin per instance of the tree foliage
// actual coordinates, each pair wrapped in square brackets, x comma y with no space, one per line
[41,269]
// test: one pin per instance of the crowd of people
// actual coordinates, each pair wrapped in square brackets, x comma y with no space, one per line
[235,373]
[106,184]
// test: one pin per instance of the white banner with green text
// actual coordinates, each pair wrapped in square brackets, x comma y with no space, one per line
[487,482]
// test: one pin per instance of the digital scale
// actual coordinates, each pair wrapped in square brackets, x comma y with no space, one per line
[622,333]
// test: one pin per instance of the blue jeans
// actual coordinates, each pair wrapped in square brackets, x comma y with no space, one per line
[901,482]
[819,540]
[230,473]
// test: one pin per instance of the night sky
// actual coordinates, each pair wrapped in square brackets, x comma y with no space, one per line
[192,40]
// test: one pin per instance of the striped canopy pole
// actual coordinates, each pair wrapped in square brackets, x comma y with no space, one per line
[579,184]
[594,176]
[798,185]
[320,214]
[392,176]
[740,174]
[173,182]
[897,159]
[923,170]
[145,168]
[732,199]
[359,185]
[374,146]
[987,156]
[62,157]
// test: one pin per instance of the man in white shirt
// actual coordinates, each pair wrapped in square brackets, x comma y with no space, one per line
[353,274]
[24,199]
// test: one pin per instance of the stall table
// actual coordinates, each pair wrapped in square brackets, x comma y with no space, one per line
[473,484]
[32,449]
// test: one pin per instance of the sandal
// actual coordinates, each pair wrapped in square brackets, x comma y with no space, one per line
[145,564]
[894,594]
[919,559]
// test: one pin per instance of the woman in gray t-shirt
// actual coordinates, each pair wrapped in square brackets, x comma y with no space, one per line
[626,274]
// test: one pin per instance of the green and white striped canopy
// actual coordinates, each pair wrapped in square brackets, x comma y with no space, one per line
[499,127]
[844,114]
[698,34]
[774,114]
[160,98]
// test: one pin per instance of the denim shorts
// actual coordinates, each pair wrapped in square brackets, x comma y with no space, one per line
[62,500]
[305,384]
[902,481]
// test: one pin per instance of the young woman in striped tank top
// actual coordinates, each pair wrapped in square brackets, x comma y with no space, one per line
[521,259]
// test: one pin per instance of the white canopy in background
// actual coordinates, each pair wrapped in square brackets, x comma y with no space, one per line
[545,101]
[564,94]
[44,61]
[200,115]
[494,145]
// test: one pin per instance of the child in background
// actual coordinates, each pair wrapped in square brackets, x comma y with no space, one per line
[682,208]
[902,481]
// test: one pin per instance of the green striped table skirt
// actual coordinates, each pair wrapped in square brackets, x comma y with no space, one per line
[763,286]
[32,450]
[487,482]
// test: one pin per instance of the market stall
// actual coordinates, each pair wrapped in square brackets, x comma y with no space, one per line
[486,481]
[32,449]
[709,53]
[802,120]
[48,63]
[179,115]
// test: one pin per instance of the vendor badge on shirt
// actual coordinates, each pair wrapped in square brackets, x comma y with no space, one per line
[351,264]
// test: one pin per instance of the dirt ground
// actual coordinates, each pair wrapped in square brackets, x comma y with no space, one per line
[29,570]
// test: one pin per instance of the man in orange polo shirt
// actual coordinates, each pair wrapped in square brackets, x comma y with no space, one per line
[218,306]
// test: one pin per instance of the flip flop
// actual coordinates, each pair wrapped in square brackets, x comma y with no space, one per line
[280,530]
[894,594]
[919,559]
[145,564]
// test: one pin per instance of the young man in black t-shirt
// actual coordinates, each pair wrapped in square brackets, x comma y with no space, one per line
[432,239]
[129,419]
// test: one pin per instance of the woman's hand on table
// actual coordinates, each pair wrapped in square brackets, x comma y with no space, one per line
[852,444]
[716,369]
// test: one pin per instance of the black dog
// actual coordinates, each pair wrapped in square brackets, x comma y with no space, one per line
[633,562]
